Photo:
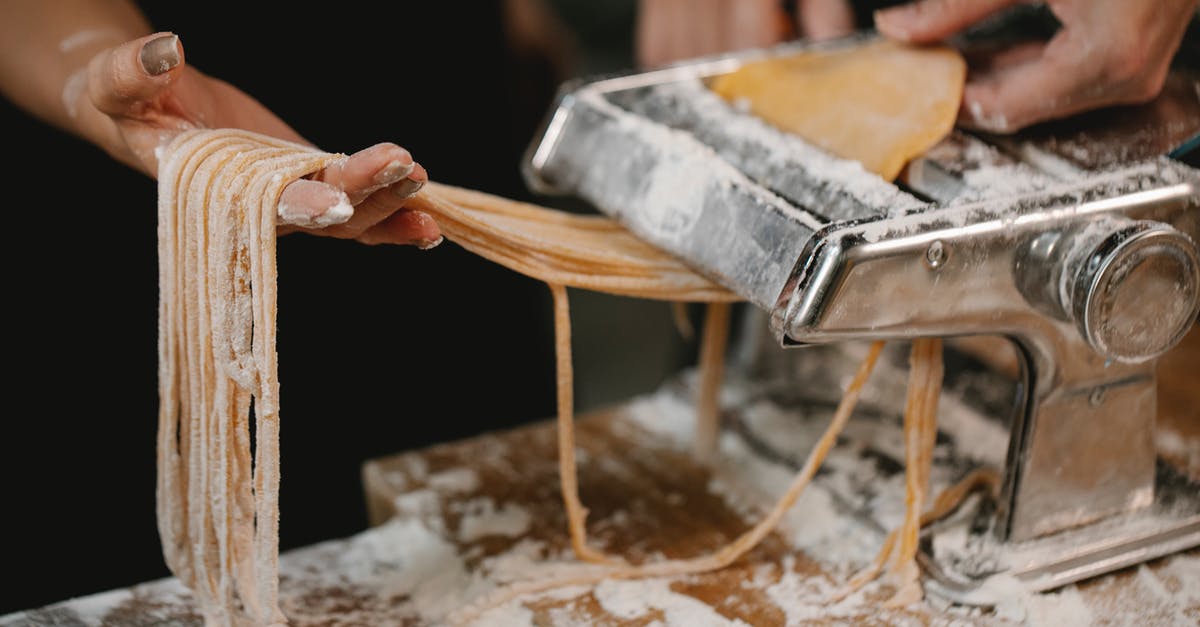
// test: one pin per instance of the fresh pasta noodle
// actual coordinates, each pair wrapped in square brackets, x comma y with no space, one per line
[218,512]
[947,501]
[920,431]
[587,252]
[710,372]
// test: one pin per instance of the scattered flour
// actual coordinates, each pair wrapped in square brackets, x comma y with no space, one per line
[482,518]
[454,480]
[415,570]
[631,600]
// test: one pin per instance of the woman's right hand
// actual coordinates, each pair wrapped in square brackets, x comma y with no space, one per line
[134,98]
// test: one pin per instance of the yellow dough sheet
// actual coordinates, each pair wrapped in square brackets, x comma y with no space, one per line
[880,104]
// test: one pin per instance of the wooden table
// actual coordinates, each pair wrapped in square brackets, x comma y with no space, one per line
[455,519]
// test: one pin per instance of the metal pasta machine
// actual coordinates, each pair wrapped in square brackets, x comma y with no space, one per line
[1077,241]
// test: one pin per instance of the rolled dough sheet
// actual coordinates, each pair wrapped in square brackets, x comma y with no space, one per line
[880,104]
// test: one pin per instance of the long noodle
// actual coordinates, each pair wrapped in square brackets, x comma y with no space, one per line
[587,252]
[711,372]
[576,512]
[920,431]
[218,512]
[947,501]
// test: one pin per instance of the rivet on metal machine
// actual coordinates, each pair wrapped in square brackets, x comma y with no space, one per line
[936,254]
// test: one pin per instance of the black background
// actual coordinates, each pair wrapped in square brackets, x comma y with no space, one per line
[381,349]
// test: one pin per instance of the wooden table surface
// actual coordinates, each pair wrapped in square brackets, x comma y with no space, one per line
[456,520]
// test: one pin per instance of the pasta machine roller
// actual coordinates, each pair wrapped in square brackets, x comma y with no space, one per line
[1077,241]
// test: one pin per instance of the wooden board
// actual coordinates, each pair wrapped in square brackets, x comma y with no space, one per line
[456,518]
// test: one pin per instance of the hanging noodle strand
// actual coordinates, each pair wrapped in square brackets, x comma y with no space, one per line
[218,512]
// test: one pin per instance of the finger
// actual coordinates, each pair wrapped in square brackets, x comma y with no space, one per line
[1044,87]
[313,205]
[406,226]
[999,60]
[655,32]
[122,79]
[825,19]
[926,21]
[380,205]
[367,171]
[751,24]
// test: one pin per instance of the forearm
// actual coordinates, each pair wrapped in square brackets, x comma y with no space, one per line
[45,47]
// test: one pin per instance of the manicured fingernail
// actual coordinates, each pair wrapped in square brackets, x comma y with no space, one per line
[408,187]
[428,244]
[160,55]
[393,172]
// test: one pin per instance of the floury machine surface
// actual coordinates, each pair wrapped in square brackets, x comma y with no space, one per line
[1076,241]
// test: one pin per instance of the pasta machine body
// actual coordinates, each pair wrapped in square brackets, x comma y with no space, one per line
[1077,241]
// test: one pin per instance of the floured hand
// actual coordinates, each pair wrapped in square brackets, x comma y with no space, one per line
[140,94]
[1108,52]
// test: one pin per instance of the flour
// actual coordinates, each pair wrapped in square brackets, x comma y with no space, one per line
[454,480]
[481,518]
[416,569]
[631,600]
[1172,444]
[763,151]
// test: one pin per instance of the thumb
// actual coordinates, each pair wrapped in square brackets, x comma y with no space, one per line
[124,77]
[925,21]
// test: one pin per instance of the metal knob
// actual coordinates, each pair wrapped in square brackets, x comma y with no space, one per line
[1132,287]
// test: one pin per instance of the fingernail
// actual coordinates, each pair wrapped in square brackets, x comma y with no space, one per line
[337,214]
[408,187]
[980,120]
[394,171]
[428,244]
[160,55]
[302,215]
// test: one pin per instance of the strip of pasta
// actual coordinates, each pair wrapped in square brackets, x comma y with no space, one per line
[218,511]
[710,373]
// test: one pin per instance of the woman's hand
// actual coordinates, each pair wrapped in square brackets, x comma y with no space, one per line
[1107,52]
[132,99]
[670,30]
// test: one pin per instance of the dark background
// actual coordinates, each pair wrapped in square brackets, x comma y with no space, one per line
[380,349]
